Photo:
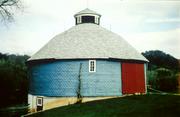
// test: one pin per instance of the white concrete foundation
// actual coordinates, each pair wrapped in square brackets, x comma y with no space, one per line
[52,102]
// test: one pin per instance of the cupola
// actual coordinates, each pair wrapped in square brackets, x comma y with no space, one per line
[87,16]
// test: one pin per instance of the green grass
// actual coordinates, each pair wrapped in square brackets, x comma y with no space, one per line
[130,106]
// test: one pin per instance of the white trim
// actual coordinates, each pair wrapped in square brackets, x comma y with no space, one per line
[88,14]
[96,19]
[78,19]
[41,101]
[94,65]
[145,74]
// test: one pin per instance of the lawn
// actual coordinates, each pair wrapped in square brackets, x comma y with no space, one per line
[131,106]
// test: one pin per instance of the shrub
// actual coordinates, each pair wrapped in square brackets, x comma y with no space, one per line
[163,79]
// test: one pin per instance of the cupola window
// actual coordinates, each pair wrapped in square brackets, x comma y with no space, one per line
[87,16]
[88,19]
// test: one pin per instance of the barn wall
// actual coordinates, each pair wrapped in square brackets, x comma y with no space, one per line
[60,78]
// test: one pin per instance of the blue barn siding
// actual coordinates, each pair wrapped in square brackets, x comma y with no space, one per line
[106,81]
[61,78]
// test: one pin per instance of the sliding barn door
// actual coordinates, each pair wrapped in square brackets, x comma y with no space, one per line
[133,78]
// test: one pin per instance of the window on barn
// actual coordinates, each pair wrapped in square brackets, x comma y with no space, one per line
[88,19]
[92,65]
[39,101]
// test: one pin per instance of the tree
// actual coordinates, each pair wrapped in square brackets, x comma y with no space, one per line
[13,79]
[163,71]
[7,7]
[158,59]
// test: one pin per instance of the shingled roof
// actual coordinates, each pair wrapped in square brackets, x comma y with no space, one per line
[87,41]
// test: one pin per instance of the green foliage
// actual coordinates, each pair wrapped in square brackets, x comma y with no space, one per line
[151,75]
[159,59]
[163,79]
[162,71]
[13,79]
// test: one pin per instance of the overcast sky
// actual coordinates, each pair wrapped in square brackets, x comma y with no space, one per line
[145,24]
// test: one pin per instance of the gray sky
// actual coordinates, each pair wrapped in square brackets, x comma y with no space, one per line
[145,24]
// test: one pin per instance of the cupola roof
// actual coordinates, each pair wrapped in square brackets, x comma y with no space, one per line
[87,11]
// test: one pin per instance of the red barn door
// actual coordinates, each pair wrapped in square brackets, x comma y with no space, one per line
[133,78]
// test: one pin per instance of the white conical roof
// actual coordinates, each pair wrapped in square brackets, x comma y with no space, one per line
[87,41]
[87,11]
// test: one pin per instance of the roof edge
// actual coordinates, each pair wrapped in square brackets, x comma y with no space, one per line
[114,59]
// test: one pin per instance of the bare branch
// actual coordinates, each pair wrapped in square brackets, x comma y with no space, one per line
[7,8]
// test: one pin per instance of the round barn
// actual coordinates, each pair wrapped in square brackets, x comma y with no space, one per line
[86,62]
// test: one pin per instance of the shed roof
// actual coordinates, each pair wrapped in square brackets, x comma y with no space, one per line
[87,41]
